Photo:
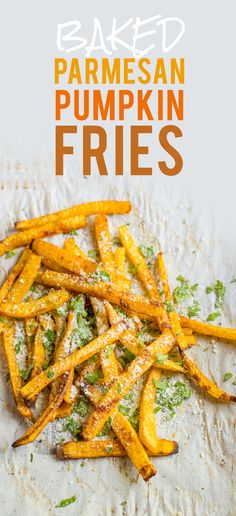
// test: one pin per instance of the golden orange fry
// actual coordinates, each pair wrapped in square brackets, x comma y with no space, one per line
[25,237]
[173,316]
[25,280]
[88,208]
[64,257]
[14,273]
[208,329]
[16,381]
[147,420]
[36,307]
[204,382]
[140,305]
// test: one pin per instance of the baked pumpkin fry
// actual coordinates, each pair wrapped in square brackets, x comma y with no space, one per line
[88,208]
[30,331]
[64,257]
[39,355]
[109,363]
[173,316]
[25,237]
[92,449]
[208,329]
[133,446]
[72,360]
[147,420]
[47,416]
[70,243]
[25,280]
[121,387]
[39,306]
[14,273]
[143,273]
[203,382]
[103,238]
[16,381]
[138,304]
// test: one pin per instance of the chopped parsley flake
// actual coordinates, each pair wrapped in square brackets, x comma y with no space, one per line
[25,373]
[147,252]
[73,232]
[72,426]
[94,254]
[66,501]
[116,242]
[194,309]
[100,275]
[119,388]
[50,374]
[92,378]
[18,346]
[169,306]
[185,290]
[132,269]
[82,407]
[10,254]
[227,377]
[124,410]
[109,449]
[107,428]
[213,316]
[219,290]
[160,359]
[170,395]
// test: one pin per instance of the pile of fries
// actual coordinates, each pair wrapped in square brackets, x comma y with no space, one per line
[71,277]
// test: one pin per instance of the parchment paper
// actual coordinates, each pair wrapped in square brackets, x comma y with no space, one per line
[200,479]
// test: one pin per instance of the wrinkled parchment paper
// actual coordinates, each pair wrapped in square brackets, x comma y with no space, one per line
[200,479]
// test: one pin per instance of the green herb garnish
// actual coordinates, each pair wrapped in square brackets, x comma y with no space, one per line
[65,502]
[109,449]
[147,252]
[50,373]
[100,275]
[18,345]
[185,290]
[160,359]
[227,377]
[107,428]
[9,254]
[170,395]
[124,410]
[119,388]
[219,290]
[72,426]
[82,407]
[194,309]
[132,269]
[92,378]
[94,254]
[213,316]
[169,306]
[25,373]
[73,232]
